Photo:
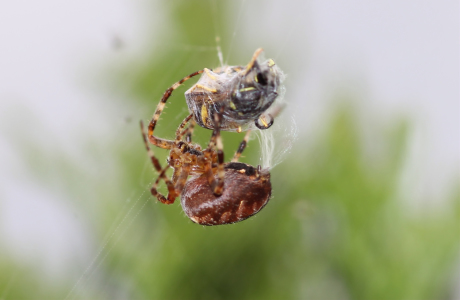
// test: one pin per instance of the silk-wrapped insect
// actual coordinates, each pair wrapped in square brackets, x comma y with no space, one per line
[243,95]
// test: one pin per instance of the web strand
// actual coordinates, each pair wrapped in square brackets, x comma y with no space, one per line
[89,271]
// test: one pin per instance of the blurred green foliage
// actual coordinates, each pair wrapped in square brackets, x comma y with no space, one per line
[334,229]
[20,281]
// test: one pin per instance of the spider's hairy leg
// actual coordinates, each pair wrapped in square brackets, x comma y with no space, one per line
[191,127]
[242,146]
[162,173]
[206,164]
[182,178]
[216,142]
[165,144]
[180,132]
[154,160]
[171,192]
[175,175]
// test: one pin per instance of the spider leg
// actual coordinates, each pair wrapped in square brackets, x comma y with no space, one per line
[180,130]
[207,171]
[162,143]
[162,173]
[188,132]
[242,146]
[191,127]
[216,142]
[182,177]
[171,193]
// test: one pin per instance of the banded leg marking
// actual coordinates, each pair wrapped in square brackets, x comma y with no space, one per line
[180,130]
[161,175]
[157,141]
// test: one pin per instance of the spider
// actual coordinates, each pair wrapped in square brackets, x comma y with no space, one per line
[241,94]
[217,193]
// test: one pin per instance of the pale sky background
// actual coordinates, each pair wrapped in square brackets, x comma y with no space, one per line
[403,56]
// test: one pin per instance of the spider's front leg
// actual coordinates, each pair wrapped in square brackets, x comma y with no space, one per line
[180,132]
[162,143]
[189,130]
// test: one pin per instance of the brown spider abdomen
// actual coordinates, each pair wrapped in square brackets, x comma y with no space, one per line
[246,192]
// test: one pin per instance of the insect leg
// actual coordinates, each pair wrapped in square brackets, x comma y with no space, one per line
[253,60]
